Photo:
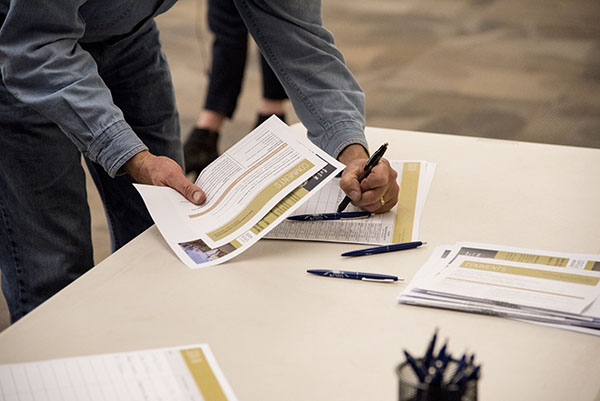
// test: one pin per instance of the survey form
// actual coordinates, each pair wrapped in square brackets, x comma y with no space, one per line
[188,373]
[419,291]
[242,185]
[549,258]
[250,188]
[519,284]
[401,224]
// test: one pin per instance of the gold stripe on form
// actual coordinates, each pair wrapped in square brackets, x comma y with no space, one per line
[407,202]
[528,272]
[260,200]
[529,258]
[203,375]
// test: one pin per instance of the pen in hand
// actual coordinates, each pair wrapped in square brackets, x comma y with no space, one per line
[372,162]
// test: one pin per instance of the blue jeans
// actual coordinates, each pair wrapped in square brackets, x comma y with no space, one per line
[45,238]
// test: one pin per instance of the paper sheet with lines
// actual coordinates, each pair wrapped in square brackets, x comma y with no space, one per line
[401,224]
[186,373]
[249,189]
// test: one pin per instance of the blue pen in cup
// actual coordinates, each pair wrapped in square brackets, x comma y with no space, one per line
[438,376]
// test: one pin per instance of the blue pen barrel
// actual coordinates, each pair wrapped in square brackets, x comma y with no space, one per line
[411,388]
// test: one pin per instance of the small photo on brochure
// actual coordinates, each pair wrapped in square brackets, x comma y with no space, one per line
[199,252]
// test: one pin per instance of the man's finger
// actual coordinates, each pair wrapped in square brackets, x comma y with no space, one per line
[349,180]
[191,192]
[380,175]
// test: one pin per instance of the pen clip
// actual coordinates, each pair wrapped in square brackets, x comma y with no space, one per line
[382,280]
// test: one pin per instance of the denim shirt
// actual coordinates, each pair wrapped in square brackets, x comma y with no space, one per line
[43,64]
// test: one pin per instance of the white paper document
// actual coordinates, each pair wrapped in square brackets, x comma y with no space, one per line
[189,373]
[545,287]
[249,189]
[518,284]
[401,224]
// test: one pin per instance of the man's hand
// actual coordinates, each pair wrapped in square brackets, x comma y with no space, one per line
[147,168]
[378,192]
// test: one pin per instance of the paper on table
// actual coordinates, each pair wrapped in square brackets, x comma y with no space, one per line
[189,373]
[549,258]
[414,178]
[517,284]
[416,294]
[250,188]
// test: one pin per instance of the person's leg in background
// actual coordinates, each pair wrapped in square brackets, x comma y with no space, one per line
[137,74]
[229,52]
[274,98]
[45,238]
[302,53]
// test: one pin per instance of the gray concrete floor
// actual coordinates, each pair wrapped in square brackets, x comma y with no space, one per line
[526,70]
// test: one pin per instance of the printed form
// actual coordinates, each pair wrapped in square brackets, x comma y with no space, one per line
[249,189]
[189,373]
[401,224]
[545,287]
[534,286]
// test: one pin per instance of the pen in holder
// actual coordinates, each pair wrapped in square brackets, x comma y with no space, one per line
[437,377]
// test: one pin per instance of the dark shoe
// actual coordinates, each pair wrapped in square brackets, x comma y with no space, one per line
[263,117]
[200,150]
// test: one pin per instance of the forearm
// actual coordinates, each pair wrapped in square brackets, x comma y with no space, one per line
[43,66]
[302,53]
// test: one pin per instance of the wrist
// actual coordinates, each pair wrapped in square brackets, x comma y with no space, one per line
[352,152]
[134,165]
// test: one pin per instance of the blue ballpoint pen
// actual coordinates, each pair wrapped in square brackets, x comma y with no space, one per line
[330,216]
[429,352]
[353,275]
[415,366]
[384,249]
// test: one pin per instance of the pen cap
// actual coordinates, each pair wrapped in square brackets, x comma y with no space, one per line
[410,388]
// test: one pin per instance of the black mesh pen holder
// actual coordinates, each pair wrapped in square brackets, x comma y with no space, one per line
[447,387]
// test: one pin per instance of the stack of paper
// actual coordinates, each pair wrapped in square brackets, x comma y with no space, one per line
[545,287]
[401,224]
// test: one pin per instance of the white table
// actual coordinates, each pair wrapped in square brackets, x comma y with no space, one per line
[281,334]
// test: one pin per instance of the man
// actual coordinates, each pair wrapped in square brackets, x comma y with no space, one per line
[89,78]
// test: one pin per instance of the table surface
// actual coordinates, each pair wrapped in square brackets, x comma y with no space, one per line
[281,334]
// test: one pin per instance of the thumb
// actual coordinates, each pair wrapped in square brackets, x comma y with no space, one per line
[349,183]
[191,192]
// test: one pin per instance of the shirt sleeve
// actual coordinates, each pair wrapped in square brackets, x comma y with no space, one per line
[303,55]
[43,66]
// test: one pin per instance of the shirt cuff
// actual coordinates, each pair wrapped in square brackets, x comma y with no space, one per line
[344,134]
[114,147]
